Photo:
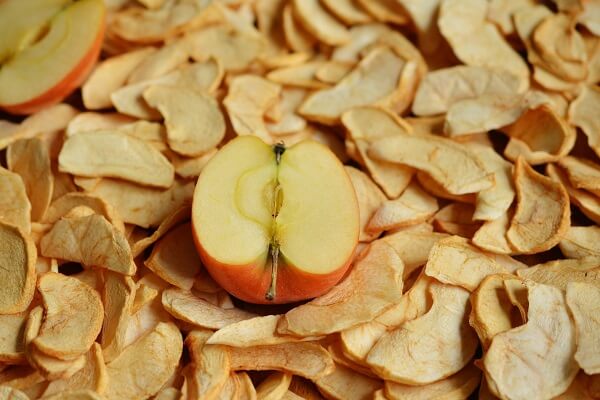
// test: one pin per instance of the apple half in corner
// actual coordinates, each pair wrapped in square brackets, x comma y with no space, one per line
[47,48]
[275,225]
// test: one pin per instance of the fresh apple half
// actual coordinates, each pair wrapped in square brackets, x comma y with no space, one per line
[47,48]
[275,225]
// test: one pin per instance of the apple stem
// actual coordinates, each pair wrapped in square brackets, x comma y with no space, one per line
[279,149]
[272,291]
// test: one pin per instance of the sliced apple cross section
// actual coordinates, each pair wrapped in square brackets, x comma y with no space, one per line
[275,225]
[47,48]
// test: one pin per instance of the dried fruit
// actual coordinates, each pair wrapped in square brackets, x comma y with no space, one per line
[17,269]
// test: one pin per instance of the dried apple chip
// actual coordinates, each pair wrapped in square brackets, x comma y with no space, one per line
[450,164]
[90,240]
[582,300]
[308,360]
[9,393]
[582,173]
[149,362]
[347,11]
[542,215]
[296,37]
[580,242]
[374,283]
[110,75]
[539,136]
[15,208]
[73,316]
[64,204]
[302,75]
[92,376]
[581,114]
[346,384]
[274,386]
[30,159]
[171,220]
[174,258]
[118,295]
[439,343]
[412,207]
[457,386]
[559,273]
[194,122]
[248,99]
[475,41]
[211,365]
[161,62]
[322,25]
[140,205]
[12,350]
[370,198]
[375,80]
[199,312]
[367,124]
[113,154]
[456,262]
[535,359]
[588,203]
[17,269]
[442,88]
[457,219]
[76,395]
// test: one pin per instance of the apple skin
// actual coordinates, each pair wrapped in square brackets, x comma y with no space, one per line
[67,85]
[251,282]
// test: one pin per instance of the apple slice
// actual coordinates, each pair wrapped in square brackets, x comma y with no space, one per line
[47,49]
[275,225]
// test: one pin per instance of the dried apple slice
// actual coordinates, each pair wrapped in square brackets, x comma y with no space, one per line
[174,258]
[581,242]
[588,203]
[347,11]
[581,111]
[64,204]
[379,71]
[90,240]
[542,215]
[582,173]
[412,207]
[559,273]
[539,136]
[30,159]
[456,262]
[211,365]
[296,37]
[118,296]
[457,386]
[149,362]
[302,75]
[439,343]
[101,154]
[73,316]
[17,265]
[475,41]
[345,384]
[304,359]
[9,393]
[457,219]
[194,310]
[140,205]
[161,62]
[581,300]
[110,75]
[370,198]
[76,395]
[194,122]
[364,294]
[176,217]
[444,87]
[535,359]
[12,347]
[15,208]
[274,386]
[322,25]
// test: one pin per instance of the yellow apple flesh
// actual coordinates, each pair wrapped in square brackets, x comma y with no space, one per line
[251,206]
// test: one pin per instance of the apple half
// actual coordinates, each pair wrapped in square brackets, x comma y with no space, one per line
[47,48]
[275,225]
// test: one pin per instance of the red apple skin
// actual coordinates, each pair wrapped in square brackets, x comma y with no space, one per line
[251,282]
[65,87]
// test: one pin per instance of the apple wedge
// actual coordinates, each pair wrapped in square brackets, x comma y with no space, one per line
[275,225]
[47,49]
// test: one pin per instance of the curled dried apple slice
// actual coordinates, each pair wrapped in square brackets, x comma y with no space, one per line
[118,295]
[274,387]
[64,204]
[581,111]
[374,283]
[90,240]
[9,393]
[263,192]
[194,122]
[582,173]
[581,300]
[15,208]
[12,346]
[347,11]
[559,273]
[17,265]
[317,20]
[535,359]
[47,54]
[73,316]
[211,365]
[308,360]
[450,164]
[117,155]
[580,242]
[149,362]
[370,198]
[439,343]
[542,215]
[344,383]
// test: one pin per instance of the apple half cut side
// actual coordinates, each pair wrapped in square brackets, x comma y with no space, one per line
[48,48]
[275,225]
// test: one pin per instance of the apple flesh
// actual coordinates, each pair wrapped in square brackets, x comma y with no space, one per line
[48,47]
[275,225]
